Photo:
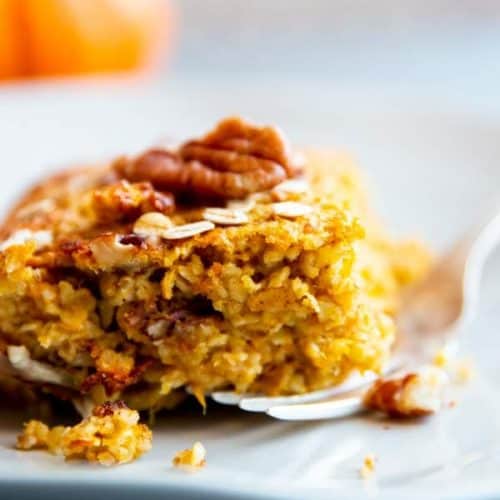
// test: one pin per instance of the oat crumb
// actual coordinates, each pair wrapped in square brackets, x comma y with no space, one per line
[441,359]
[368,467]
[111,435]
[460,371]
[191,458]
[38,436]
[464,371]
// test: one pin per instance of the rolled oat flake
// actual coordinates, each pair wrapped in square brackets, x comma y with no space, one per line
[225,216]
[188,230]
[291,209]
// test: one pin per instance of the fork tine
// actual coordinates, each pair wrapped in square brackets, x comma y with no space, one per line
[226,397]
[263,404]
[342,406]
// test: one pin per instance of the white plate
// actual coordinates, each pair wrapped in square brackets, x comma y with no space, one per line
[434,172]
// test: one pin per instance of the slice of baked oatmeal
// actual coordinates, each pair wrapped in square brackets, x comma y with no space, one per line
[230,262]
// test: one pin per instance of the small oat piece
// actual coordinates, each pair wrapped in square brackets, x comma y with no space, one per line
[368,467]
[38,436]
[225,216]
[463,371]
[152,224]
[293,186]
[412,395]
[460,371]
[158,329]
[111,435]
[441,358]
[191,458]
[291,209]
[34,436]
[188,230]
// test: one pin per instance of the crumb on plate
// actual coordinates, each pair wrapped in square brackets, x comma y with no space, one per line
[368,467]
[38,436]
[441,358]
[464,371]
[460,370]
[191,458]
[111,435]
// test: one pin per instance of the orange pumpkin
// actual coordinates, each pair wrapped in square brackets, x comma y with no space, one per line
[53,37]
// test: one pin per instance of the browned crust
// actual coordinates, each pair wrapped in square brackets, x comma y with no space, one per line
[109,408]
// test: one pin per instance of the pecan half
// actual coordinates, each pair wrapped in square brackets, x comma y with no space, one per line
[123,201]
[232,161]
[411,395]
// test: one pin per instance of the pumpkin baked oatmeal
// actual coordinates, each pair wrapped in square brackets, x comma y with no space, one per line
[229,262]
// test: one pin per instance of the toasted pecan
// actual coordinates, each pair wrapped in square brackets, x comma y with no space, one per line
[232,161]
[385,395]
[414,394]
[123,201]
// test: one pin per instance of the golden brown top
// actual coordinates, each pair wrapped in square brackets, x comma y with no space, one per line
[94,219]
[107,214]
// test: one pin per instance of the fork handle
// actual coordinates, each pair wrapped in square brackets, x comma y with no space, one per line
[481,244]
[336,407]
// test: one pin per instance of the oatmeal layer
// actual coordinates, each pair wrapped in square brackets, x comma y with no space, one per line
[124,288]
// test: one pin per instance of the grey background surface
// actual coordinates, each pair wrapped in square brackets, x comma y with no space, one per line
[439,43]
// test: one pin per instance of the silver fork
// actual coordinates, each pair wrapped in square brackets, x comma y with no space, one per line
[433,317]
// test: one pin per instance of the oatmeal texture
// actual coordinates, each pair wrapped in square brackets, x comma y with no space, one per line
[111,435]
[145,295]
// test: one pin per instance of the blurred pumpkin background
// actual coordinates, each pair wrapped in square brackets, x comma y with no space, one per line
[66,37]
[450,44]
